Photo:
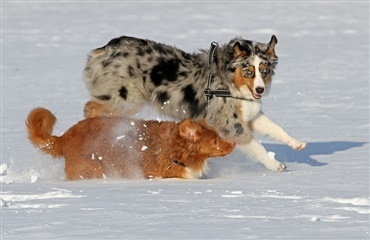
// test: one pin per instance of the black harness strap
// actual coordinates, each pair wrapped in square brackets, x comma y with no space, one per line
[221,92]
[208,91]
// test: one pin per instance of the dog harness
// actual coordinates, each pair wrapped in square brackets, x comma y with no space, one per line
[223,92]
[220,92]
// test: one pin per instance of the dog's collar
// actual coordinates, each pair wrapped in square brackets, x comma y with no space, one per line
[177,162]
[220,92]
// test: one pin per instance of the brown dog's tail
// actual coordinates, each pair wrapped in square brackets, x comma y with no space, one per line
[40,123]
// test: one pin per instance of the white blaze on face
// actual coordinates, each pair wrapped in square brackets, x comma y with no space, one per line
[258,81]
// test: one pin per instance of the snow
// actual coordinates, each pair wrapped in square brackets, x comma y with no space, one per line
[120,137]
[320,94]
[3,168]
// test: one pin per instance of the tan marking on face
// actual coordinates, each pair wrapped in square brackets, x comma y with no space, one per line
[265,76]
[242,80]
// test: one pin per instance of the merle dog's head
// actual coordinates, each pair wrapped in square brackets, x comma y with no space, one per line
[252,64]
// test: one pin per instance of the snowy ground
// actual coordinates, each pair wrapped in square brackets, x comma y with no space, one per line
[320,95]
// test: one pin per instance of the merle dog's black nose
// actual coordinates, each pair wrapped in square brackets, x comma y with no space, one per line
[260,90]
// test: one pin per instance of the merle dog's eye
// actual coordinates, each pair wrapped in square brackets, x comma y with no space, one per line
[248,72]
[265,71]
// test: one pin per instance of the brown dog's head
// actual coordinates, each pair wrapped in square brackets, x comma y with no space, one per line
[205,138]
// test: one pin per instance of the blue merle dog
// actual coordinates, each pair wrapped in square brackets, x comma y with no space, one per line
[222,85]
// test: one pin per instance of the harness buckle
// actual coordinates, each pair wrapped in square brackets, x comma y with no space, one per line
[220,92]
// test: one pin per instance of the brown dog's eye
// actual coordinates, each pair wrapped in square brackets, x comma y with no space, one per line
[215,142]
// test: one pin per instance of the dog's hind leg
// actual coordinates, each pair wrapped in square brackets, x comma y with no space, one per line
[263,125]
[95,109]
[257,152]
[78,169]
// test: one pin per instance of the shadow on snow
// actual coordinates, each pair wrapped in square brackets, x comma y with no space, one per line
[286,154]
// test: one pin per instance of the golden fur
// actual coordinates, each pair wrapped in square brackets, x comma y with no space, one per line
[117,146]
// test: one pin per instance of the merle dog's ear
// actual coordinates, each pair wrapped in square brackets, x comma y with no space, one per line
[271,47]
[189,130]
[239,51]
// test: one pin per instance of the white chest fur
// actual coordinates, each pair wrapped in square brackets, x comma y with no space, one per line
[195,174]
[250,109]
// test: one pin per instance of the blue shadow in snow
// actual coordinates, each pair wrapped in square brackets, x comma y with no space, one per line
[286,154]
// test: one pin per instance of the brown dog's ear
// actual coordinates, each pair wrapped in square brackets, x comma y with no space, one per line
[238,51]
[271,47]
[189,130]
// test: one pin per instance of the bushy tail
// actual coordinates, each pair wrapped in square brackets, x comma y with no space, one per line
[40,123]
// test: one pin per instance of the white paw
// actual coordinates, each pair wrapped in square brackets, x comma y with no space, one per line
[275,166]
[281,167]
[296,145]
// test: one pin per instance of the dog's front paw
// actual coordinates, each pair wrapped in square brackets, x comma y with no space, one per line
[275,166]
[296,145]
[281,167]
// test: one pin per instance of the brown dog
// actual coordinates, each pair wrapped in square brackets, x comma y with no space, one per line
[116,146]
